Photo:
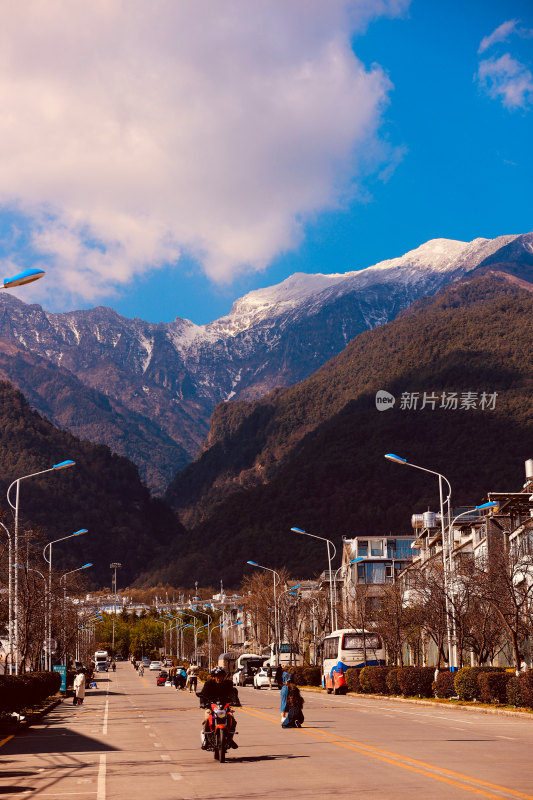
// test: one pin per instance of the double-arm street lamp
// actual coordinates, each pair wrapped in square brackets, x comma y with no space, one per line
[48,559]
[276,622]
[404,462]
[15,507]
[330,557]
[342,566]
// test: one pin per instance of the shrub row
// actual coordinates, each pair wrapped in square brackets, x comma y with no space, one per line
[305,676]
[486,684]
[18,692]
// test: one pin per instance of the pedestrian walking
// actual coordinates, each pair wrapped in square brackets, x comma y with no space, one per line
[269,676]
[79,688]
[192,677]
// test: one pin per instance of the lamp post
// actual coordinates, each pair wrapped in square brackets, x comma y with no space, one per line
[64,576]
[276,621]
[342,566]
[61,465]
[491,504]
[114,566]
[31,569]
[398,460]
[49,602]
[209,619]
[9,597]
[329,543]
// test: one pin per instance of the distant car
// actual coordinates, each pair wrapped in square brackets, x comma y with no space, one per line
[245,675]
[119,658]
[167,662]
[155,665]
[162,678]
[102,667]
[261,680]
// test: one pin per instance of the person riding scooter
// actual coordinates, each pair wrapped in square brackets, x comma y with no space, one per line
[218,689]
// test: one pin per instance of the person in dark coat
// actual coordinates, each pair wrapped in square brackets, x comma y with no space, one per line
[279,676]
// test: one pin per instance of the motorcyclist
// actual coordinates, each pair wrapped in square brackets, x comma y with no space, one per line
[218,689]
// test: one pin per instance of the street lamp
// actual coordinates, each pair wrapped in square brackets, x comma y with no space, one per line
[342,566]
[329,542]
[114,566]
[10,597]
[61,465]
[399,460]
[481,507]
[49,603]
[31,569]
[85,566]
[209,619]
[276,623]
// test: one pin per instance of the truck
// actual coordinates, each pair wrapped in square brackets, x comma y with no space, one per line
[101,661]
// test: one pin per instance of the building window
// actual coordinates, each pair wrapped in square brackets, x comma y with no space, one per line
[362,547]
[376,547]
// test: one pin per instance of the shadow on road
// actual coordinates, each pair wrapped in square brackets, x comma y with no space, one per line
[251,759]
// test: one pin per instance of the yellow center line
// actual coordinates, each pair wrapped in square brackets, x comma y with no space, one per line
[405,762]
[6,739]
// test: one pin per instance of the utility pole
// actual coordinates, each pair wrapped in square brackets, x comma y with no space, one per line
[114,566]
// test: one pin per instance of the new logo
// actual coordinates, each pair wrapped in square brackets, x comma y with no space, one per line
[384,400]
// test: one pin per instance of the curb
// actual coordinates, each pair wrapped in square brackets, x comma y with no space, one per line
[519,713]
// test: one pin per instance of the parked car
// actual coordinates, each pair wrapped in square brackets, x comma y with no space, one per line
[162,678]
[245,675]
[261,680]
[155,665]
[102,667]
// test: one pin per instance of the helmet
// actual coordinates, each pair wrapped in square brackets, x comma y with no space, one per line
[218,672]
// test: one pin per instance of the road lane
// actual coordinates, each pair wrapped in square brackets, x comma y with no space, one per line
[132,740]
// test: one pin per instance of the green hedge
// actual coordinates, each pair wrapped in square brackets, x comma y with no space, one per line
[18,692]
[493,686]
[444,685]
[352,679]
[392,681]
[416,681]
[514,698]
[467,684]
[526,689]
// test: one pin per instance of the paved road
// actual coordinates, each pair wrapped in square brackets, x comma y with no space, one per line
[132,740]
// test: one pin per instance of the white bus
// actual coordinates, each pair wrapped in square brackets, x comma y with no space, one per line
[348,648]
[286,657]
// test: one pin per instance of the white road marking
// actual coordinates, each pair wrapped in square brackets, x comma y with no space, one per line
[100,794]
[175,776]
[106,714]
[157,744]
[165,757]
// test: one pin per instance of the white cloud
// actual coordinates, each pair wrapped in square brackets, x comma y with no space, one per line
[501,34]
[507,79]
[132,130]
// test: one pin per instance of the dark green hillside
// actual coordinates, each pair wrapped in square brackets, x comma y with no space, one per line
[102,492]
[312,455]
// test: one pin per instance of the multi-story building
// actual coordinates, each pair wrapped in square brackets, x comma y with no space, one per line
[369,563]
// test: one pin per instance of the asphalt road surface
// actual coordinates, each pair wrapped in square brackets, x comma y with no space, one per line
[132,740]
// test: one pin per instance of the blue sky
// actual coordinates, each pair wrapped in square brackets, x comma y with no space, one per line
[276,137]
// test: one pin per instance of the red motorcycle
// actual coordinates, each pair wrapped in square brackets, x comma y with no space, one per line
[219,733]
